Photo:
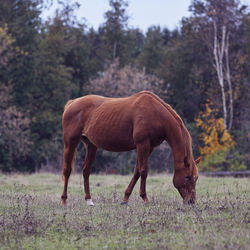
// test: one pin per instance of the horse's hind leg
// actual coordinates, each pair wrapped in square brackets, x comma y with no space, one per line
[69,152]
[87,165]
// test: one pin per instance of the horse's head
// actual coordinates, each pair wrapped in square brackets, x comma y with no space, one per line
[185,180]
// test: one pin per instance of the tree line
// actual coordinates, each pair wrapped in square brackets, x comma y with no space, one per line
[202,69]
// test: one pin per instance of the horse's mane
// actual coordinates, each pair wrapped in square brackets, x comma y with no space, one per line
[185,133]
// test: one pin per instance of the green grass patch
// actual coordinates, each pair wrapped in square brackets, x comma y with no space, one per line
[31,216]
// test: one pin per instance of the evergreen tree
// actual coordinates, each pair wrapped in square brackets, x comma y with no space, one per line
[152,52]
[15,144]
[22,18]
[114,27]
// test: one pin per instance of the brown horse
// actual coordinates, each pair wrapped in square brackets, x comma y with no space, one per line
[142,122]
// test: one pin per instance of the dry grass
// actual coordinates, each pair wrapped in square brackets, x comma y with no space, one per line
[31,216]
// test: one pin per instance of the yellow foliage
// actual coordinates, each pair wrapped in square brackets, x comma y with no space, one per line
[7,48]
[214,136]
[5,38]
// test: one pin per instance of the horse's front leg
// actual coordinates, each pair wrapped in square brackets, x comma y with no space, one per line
[143,152]
[132,183]
[87,165]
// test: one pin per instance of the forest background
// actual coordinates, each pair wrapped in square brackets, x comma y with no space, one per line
[200,68]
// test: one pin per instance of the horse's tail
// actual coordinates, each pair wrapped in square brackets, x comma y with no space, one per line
[67,168]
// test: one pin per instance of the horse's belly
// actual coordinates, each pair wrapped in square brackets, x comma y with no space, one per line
[118,146]
[112,138]
[112,143]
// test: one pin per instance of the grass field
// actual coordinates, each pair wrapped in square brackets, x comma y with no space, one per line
[31,216]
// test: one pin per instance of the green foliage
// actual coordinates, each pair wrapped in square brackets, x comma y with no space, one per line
[15,140]
[235,161]
[223,160]
[114,26]
[243,101]
[22,18]
[184,71]
[152,53]
[214,161]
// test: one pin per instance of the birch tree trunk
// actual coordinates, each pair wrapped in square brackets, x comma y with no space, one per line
[221,52]
[218,51]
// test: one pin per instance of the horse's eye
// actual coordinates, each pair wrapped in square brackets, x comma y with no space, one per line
[188,178]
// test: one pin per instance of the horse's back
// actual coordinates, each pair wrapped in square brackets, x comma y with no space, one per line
[118,124]
[110,125]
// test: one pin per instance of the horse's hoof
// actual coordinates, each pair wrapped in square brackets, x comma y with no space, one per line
[124,203]
[90,202]
[64,202]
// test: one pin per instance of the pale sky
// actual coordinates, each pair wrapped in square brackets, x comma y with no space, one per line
[142,13]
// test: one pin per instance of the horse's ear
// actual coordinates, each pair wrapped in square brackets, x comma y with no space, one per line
[186,163]
[197,160]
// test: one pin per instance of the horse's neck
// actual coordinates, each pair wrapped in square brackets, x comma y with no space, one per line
[176,138]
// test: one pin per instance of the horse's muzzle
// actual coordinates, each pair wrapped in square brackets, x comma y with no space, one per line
[189,201]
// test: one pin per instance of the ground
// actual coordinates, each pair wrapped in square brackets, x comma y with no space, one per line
[31,216]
